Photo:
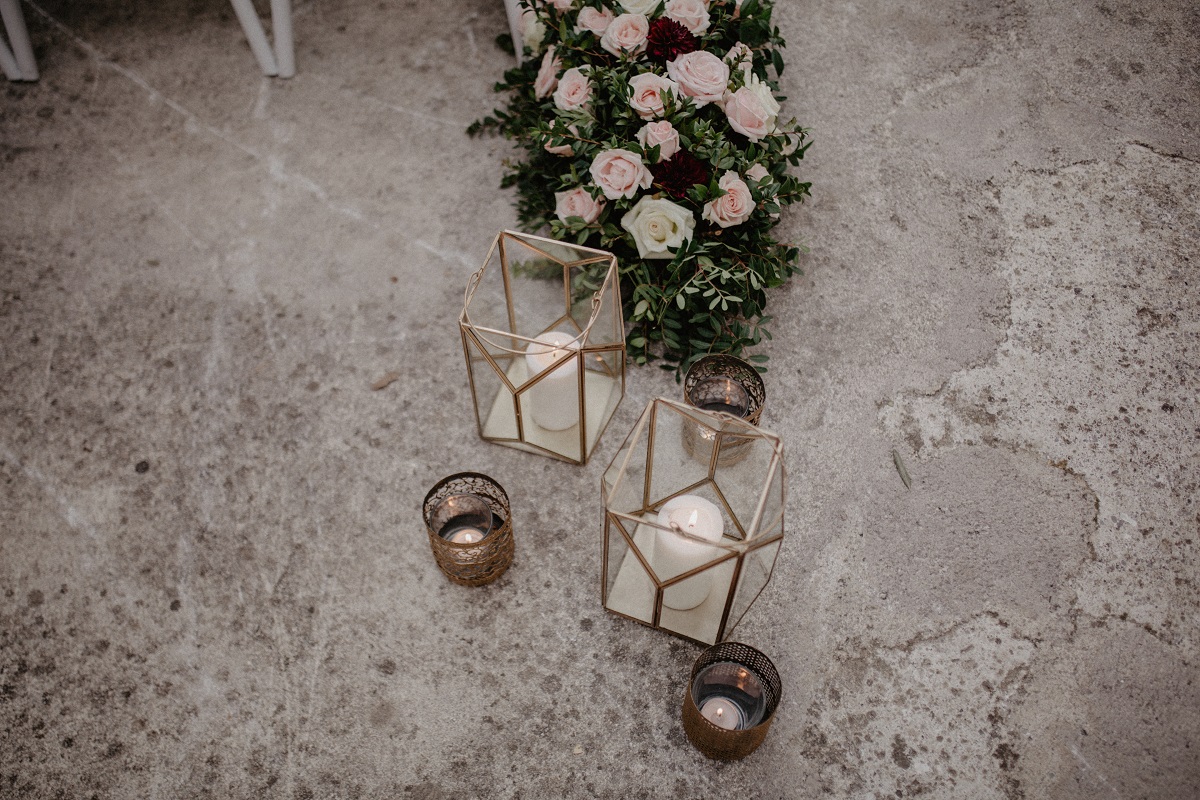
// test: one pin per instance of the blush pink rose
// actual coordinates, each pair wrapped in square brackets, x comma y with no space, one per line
[577,203]
[648,93]
[701,76]
[757,172]
[620,173]
[626,34]
[751,110]
[732,208]
[563,149]
[547,77]
[593,20]
[691,14]
[661,133]
[561,5]
[740,56]
[574,90]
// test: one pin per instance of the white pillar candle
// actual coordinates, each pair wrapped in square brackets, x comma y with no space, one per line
[674,554]
[554,402]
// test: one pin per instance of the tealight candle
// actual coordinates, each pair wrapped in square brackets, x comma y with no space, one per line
[720,394]
[554,401]
[723,712]
[729,696]
[674,554]
[465,518]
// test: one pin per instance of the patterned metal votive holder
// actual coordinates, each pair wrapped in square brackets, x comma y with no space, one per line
[730,701]
[469,525]
[727,384]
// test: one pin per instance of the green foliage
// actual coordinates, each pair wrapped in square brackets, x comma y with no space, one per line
[711,295]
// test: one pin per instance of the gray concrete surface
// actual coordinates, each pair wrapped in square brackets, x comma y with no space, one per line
[205,270]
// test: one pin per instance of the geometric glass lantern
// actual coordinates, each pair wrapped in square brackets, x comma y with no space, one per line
[544,339]
[690,534]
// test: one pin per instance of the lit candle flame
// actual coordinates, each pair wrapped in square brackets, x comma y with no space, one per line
[693,519]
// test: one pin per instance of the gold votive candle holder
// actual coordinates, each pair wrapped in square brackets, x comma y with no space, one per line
[722,384]
[469,524]
[730,701]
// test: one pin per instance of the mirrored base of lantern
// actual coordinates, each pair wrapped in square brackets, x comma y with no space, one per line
[730,700]
[469,526]
[633,593]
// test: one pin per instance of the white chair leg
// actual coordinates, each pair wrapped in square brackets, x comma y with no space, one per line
[285,46]
[255,35]
[22,51]
[513,11]
[8,63]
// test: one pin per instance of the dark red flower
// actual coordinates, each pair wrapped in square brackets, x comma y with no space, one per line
[679,174]
[668,40]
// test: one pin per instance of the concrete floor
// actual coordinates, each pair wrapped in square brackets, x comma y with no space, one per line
[203,271]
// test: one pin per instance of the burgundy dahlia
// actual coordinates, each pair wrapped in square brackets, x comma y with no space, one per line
[679,174]
[668,40]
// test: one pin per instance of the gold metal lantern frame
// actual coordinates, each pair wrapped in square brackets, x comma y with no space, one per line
[544,340]
[694,575]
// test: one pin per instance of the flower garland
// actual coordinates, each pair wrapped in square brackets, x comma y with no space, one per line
[651,129]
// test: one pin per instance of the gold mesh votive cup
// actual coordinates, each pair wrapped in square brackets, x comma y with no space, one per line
[470,563]
[720,743]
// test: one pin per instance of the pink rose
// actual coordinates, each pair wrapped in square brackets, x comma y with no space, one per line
[594,20]
[740,56]
[751,110]
[732,208]
[626,34]
[574,90]
[561,5]
[691,14]
[620,173]
[757,172]
[661,133]
[562,149]
[701,76]
[547,77]
[648,89]
[577,203]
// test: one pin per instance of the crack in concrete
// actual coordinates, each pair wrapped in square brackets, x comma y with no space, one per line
[273,164]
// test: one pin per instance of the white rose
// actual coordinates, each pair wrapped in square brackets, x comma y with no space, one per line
[658,226]
[533,32]
[638,6]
